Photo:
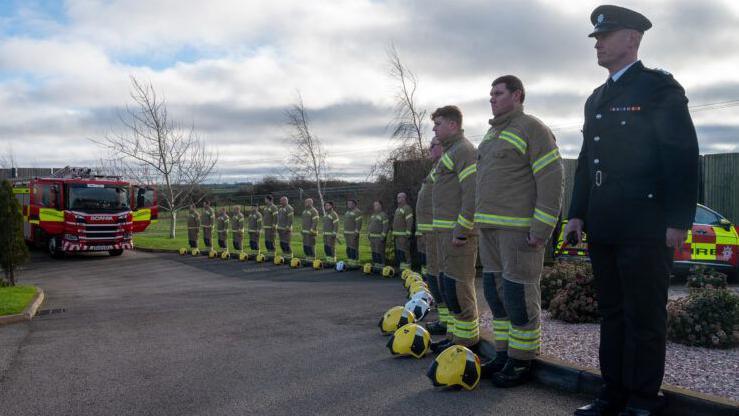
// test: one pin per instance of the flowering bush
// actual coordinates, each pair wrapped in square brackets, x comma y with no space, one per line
[702,277]
[705,318]
[576,302]
[557,276]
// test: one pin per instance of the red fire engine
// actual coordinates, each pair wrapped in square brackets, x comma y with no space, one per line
[75,210]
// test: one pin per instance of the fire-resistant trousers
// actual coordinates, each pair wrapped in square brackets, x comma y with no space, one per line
[511,280]
[457,271]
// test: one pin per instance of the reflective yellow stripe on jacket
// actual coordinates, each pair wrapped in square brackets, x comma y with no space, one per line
[443,224]
[545,160]
[502,220]
[512,138]
[424,227]
[466,172]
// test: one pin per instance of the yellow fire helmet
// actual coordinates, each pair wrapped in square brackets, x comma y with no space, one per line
[295,263]
[410,339]
[212,254]
[367,268]
[424,295]
[419,307]
[183,251]
[243,256]
[195,252]
[388,271]
[225,255]
[260,258]
[413,275]
[317,264]
[394,318]
[455,366]
[405,273]
[417,287]
[409,279]
[279,260]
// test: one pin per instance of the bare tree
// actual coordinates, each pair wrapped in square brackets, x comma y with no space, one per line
[307,156]
[158,151]
[7,159]
[409,119]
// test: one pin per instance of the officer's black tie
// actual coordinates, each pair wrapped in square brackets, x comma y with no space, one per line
[609,86]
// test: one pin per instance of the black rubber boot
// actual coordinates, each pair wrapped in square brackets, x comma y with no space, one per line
[514,373]
[436,328]
[490,367]
[599,407]
[439,346]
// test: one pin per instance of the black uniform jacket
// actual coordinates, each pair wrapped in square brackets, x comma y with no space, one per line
[637,172]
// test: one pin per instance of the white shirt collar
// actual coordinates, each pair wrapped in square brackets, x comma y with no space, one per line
[618,74]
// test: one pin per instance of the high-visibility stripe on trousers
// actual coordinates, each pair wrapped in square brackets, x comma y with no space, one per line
[443,314]
[467,329]
[524,340]
[501,328]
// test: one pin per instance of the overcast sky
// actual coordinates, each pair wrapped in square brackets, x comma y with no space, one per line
[230,67]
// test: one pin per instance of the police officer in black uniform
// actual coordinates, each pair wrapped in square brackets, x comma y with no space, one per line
[635,194]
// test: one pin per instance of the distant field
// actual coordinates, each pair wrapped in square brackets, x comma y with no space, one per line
[157,236]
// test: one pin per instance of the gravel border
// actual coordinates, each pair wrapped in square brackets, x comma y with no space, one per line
[704,370]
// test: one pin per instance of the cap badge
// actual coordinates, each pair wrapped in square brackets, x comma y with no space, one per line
[601,18]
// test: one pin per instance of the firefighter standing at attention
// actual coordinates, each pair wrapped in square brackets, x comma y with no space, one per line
[237,228]
[519,193]
[402,231]
[453,200]
[193,227]
[330,231]
[222,223]
[310,219]
[208,218]
[426,241]
[377,229]
[269,224]
[254,228]
[352,227]
[285,215]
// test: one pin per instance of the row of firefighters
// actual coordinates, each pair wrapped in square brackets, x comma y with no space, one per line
[275,223]
[500,201]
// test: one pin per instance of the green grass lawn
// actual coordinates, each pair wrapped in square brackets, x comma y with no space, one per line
[157,236]
[13,300]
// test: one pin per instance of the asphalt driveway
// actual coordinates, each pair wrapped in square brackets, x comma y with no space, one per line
[160,334]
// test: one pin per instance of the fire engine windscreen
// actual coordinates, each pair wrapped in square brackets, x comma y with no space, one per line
[97,197]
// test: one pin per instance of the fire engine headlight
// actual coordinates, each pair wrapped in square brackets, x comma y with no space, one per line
[70,237]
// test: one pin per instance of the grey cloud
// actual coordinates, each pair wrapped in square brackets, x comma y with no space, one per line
[713,134]
[706,29]
[525,37]
[439,41]
[713,93]
[229,124]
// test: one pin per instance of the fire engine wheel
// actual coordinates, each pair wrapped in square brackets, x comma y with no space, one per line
[116,252]
[52,244]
